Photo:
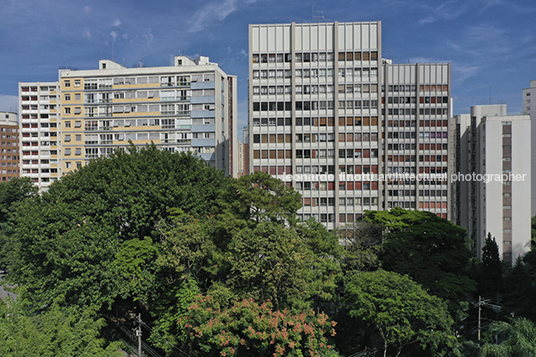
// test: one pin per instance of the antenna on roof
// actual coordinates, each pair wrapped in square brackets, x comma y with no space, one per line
[317,15]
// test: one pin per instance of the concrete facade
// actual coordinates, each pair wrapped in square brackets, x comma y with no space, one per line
[9,146]
[332,119]
[494,180]
[190,106]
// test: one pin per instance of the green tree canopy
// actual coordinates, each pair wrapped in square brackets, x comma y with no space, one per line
[401,311]
[519,339]
[52,332]
[78,238]
[433,251]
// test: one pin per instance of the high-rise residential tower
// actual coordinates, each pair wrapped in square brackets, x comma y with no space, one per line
[39,118]
[188,106]
[529,107]
[492,181]
[348,130]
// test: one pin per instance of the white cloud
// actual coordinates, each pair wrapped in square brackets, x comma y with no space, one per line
[449,10]
[125,36]
[461,72]
[87,9]
[113,34]
[211,12]
[86,34]
[116,23]
[427,20]
[148,36]
[244,53]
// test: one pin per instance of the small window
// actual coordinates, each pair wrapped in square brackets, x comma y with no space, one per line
[67,124]
[77,83]
[68,151]
[67,83]
[68,138]
[78,151]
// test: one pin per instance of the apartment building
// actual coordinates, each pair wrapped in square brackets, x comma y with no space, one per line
[493,182]
[9,146]
[348,130]
[529,107]
[39,111]
[190,106]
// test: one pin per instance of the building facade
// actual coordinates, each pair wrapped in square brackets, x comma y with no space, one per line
[190,106]
[39,125]
[332,119]
[493,180]
[529,107]
[9,146]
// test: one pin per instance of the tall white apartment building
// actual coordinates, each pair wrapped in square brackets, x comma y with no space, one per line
[189,106]
[39,124]
[529,107]
[329,117]
[493,182]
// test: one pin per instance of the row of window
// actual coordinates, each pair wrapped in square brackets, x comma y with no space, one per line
[349,73]
[314,105]
[287,57]
[412,123]
[412,111]
[164,109]
[305,57]
[413,88]
[167,80]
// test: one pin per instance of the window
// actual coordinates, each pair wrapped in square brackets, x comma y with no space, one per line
[78,151]
[77,83]
[67,137]
[67,124]
[67,151]
[78,137]
[67,97]
[77,96]
[67,83]
[67,110]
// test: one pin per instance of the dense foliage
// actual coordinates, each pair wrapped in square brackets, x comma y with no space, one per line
[222,266]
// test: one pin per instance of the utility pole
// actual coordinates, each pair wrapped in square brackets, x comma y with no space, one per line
[138,333]
[479,310]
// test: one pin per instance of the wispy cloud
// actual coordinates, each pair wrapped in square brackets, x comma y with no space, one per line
[87,9]
[116,23]
[464,71]
[148,36]
[114,35]
[86,33]
[215,11]
[449,10]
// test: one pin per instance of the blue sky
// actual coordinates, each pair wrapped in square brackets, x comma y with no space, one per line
[490,43]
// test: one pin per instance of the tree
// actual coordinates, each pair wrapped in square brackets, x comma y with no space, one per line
[361,241]
[75,239]
[247,328]
[430,249]
[52,332]
[491,281]
[259,197]
[519,339]
[270,262]
[400,310]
